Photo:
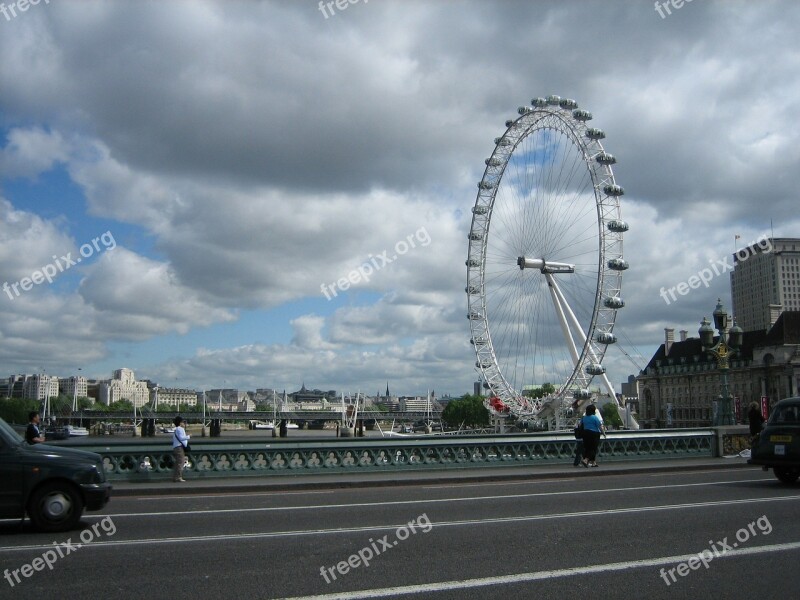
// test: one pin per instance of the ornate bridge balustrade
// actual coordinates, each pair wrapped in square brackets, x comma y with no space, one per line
[226,458]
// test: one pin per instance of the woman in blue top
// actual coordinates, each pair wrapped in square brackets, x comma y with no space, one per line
[592,428]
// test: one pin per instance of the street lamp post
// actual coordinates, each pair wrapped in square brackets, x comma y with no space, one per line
[728,344]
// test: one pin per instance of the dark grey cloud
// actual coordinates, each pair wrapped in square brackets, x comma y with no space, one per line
[268,150]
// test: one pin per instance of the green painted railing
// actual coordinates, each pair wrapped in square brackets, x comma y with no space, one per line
[226,458]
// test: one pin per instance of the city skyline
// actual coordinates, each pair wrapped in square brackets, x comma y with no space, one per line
[59,381]
[221,219]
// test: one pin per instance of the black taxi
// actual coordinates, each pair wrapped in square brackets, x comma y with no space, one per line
[778,444]
[51,484]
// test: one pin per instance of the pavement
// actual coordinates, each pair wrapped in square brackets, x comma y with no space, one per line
[362,479]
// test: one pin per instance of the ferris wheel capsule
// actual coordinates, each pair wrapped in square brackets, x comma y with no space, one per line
[617,226]
[606,338]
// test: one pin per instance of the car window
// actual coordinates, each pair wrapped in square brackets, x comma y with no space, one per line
[8,434]
[786,415]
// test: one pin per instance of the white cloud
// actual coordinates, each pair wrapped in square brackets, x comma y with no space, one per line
[264,151]
[31,151]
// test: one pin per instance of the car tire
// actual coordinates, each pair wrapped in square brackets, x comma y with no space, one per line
[56,506]
[787,474]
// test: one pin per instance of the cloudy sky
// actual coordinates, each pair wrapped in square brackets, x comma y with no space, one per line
[213,164]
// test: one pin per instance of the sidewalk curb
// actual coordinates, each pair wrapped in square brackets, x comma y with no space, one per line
[263,484]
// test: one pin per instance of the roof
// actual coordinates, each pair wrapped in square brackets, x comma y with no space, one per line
[691,347]
[785,331]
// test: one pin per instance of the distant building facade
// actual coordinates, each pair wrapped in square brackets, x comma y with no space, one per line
[39,387]
[765,281]
[630,394]
[681,383]
[15,386]
[174,396]
[74,387]
[123,386]
[415,404]
[228,399]
[305,395]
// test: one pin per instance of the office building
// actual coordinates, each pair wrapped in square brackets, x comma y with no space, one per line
[765,282]
[123,386]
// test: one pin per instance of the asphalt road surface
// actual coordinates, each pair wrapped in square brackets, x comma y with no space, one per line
[732,533]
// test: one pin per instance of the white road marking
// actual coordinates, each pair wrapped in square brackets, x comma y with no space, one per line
[496,483]
[461,584]
[684,473]
[467,522]
[382,503]
[223,494]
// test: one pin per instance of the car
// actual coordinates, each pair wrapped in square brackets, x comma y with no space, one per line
[778,444]
[51,484]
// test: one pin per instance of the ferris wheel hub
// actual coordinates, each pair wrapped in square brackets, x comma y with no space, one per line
[544,266]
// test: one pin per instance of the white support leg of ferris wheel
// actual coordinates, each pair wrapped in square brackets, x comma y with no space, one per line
[547,269]
[562,319]
[604,378]
[558,303]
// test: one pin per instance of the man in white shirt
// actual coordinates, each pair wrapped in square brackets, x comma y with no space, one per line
[180,441]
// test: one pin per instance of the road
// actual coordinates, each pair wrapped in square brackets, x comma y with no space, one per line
[617,536]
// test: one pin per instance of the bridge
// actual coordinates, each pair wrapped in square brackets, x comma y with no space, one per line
[314,419]
[146,461]
[291,415]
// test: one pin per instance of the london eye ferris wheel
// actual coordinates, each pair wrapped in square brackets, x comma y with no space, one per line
[545,260]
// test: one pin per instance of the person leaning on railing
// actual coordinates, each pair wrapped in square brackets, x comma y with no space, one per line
[592,428]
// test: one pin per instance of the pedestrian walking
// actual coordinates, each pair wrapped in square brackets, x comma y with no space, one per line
[592,428]
[180,443]
[756,420]
[32,434]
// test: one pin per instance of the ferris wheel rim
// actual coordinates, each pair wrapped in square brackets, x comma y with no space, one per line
[571,124]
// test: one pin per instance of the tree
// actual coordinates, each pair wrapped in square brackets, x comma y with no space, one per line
[86,404]
[121,406]
[61,405]
[15,410]
[467,410]
[611,415]
[544,390]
